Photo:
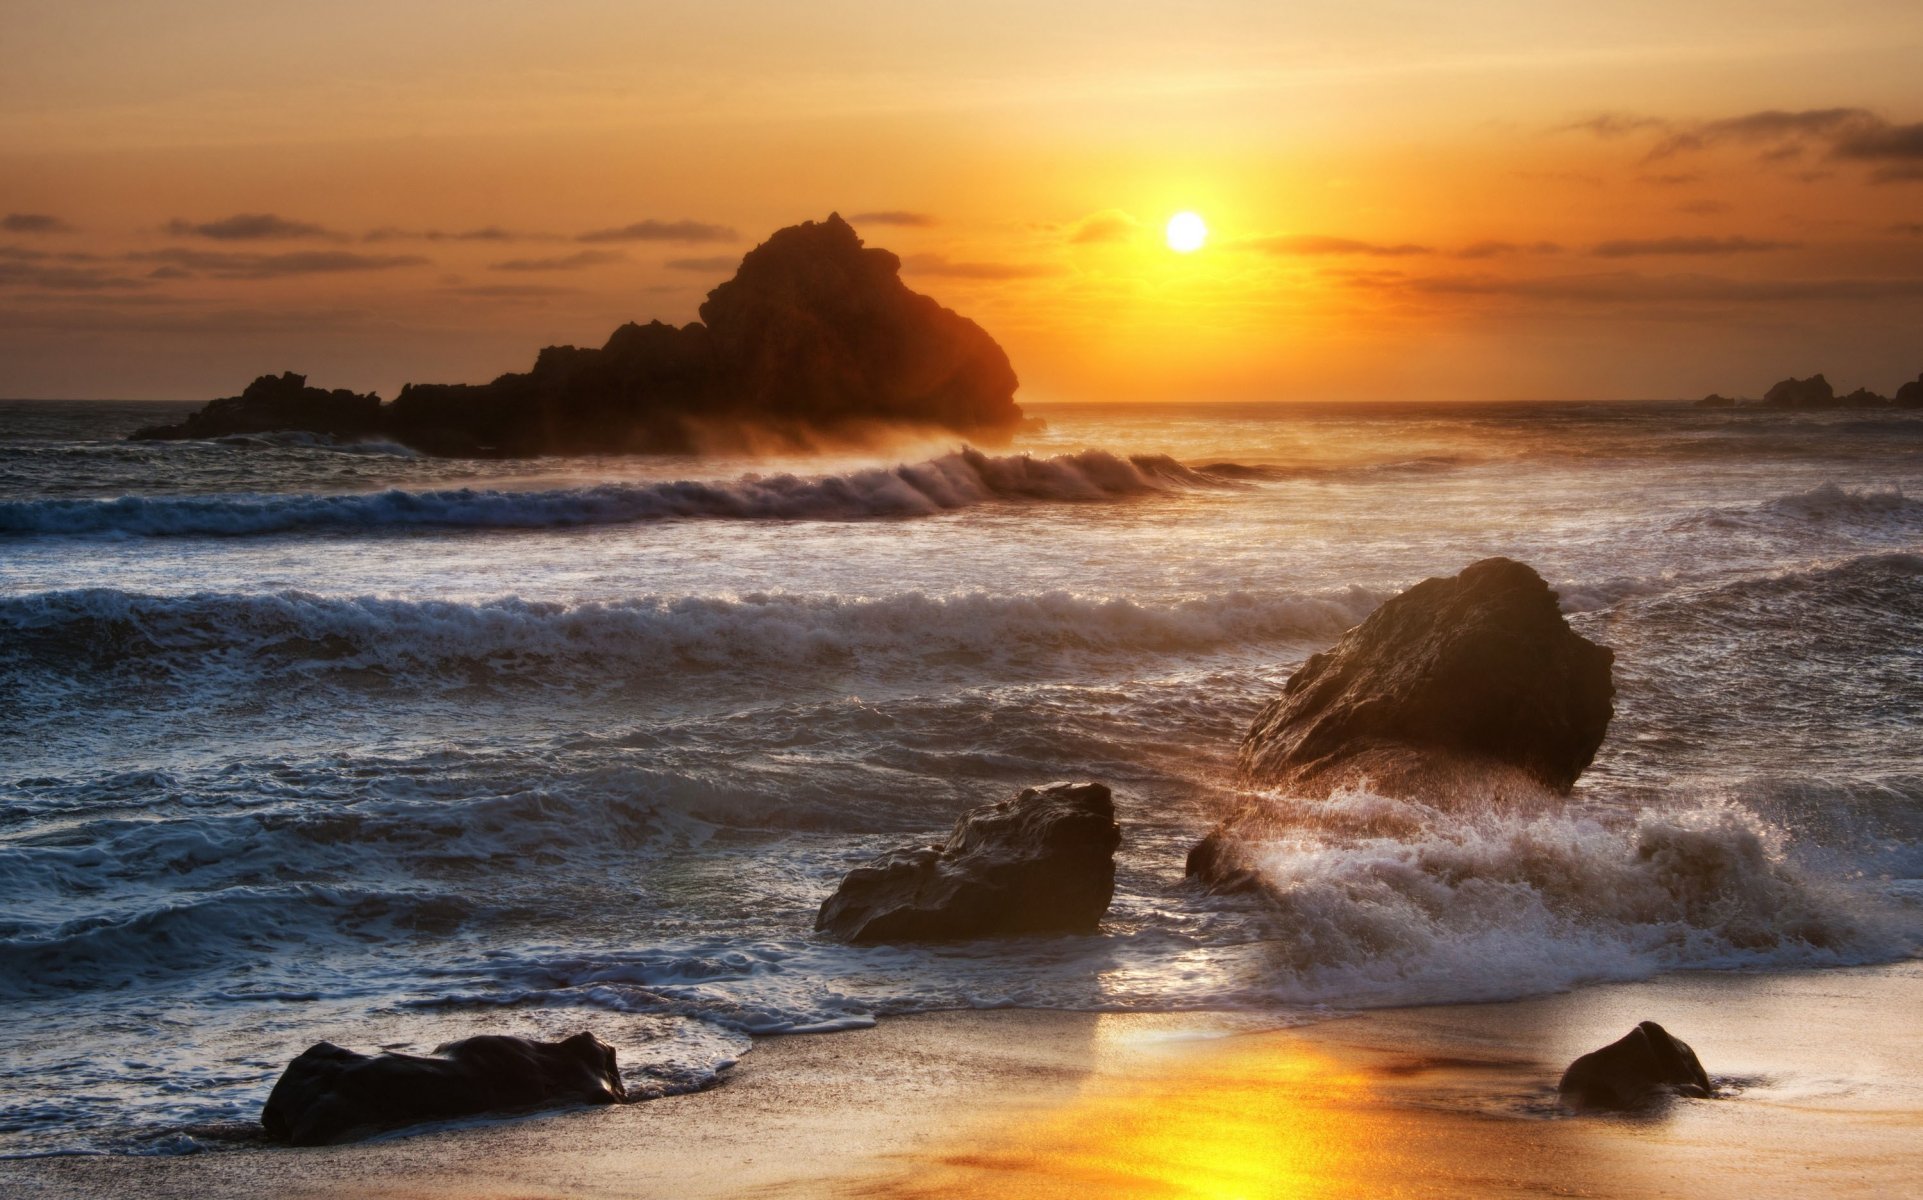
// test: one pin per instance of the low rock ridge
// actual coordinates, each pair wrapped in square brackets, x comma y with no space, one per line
[1818,392]
[816,338]
[1042,862]
[332,1094]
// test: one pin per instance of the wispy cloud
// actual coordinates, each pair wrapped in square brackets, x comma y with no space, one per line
[1633,288]
[939,265]
[487,233]
[1644,247]
[249,227]
[662,231]
[1316,245]
[1893,150]
[34,223]
[1109,225]
[1499,249]
[222,264]
[894,216]
[720,262]
[562,262]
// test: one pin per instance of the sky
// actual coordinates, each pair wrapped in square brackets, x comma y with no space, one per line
[1487,199]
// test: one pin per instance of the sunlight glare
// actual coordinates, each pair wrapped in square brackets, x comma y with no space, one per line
[1186,232]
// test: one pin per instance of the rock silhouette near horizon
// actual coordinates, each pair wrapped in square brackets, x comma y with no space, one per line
[1470,685]
[1043,862]
[815,338]
[332,1094]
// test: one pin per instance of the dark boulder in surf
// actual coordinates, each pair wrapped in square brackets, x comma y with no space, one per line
[1472,685]
[1043,862]
[1814,392]
[277,402]
[1910,395]
[1646,1066]
[816,338]
[330,1094]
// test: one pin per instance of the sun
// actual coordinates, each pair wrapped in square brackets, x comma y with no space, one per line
[1186,232]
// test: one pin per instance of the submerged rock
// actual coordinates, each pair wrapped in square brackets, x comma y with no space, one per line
[1043,862]
[1646,1065]
[1472,685]
[816,337]
[1814,392]
[330,1094]
[277,402]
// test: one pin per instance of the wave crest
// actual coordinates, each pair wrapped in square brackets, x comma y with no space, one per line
[962,479]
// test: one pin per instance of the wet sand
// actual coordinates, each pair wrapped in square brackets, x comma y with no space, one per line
[1823,1073]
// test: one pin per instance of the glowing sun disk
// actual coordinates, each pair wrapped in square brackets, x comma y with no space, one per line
[1186,232]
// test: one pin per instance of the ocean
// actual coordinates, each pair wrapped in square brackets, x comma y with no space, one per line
[308,741]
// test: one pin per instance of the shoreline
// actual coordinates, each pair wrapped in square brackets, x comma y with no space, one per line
[1820,1067]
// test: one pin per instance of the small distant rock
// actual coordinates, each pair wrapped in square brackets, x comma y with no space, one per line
[1043,862]
[1814,392]
[1713,400]
[330,1094]
[1645,1066]
[1863,398]
[277,402]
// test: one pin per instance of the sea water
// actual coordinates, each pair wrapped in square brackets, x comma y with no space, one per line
[306,740]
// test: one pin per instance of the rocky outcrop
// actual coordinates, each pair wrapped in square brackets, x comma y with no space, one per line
[1714,400]
[1862,398]
[1467,686]
[276,402]
[330,1094]
[1043,862]
[815,338]
[1645,1067]
[1814,392]
[1910,395]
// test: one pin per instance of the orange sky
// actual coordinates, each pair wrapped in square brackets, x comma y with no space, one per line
[1487,199]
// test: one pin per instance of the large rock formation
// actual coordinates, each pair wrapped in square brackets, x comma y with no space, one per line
[1814,392]
[1910,395]
[1470,686]
[330,1094]
[815,337]
[276,402]
[1645,1066]
[1043,862]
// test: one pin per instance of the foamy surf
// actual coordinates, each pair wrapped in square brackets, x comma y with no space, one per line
[954,481]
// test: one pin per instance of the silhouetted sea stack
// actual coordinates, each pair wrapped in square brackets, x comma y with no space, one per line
[1043,862]
[815,337]
[1910,395]
[1644,1066]
[330,1094]
[1814,392]
[1468,686]
[1714,400]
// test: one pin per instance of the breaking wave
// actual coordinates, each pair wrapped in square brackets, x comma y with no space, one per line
[1387,901]
[104,628]
[959,480]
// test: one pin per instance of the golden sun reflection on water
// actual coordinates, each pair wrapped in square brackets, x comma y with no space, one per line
[1251,1118]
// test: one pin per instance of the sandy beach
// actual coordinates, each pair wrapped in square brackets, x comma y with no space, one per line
[1820,1073]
